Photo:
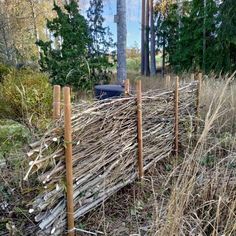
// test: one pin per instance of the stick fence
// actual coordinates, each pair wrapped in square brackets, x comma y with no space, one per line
[56,102]
[167,82]
[176,115]
[127,87]
[106,138]
[198,93]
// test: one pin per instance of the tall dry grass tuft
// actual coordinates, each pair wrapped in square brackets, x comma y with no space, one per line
[203,187]
[193,195]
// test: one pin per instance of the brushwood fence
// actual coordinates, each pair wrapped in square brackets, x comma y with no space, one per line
[104,147]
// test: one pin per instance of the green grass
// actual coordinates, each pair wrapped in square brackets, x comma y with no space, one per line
[13,136]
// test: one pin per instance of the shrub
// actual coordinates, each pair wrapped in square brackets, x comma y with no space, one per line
[133,64]
[26,96]
[81,59]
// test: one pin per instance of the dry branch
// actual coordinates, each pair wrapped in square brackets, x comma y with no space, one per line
[104,148]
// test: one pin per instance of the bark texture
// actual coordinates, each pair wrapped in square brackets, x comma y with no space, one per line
[121,40]
[153,51]
[143,38]
[147,29]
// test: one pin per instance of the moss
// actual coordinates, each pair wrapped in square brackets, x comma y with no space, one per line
[13,136]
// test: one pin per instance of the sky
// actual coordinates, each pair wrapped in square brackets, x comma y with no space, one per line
[133,19]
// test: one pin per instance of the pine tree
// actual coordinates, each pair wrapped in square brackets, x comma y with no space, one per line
[153,69]
[121,40]
[191,44]
[147,34]
[143,38]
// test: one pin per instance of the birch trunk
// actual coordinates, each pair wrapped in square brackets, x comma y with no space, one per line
[163,56]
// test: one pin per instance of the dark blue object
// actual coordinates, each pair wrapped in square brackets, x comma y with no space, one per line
[108,91]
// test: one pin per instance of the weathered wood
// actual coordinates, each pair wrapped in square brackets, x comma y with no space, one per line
[104,151]
[56,102]
[192,78]
[176,116]
[139,129]
[127,87]
[167,81]
[199,79]
[69,164]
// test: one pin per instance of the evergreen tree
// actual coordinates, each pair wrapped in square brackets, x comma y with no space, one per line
[167,32]
[67,64]
[191,45]
[80,56]
[226,47]
[101,42]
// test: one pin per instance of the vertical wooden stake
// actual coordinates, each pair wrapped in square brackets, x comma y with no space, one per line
[127,87]
[192,77]
[167,81]
[199,79]
[69,164]
[177,116]
[139,128]
[56,102]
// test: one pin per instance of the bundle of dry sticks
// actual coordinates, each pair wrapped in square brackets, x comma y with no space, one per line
[104,151]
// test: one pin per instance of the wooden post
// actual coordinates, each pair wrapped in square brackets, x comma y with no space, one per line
[199,79]
[192,77]
[176,116]
[56,102]
[139,128]
[69,163]
[127,87]
[167,81]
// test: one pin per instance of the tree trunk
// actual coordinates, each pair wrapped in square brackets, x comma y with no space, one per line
[147,67]
[36,33]
[179,15]
[153,46]
[163,56]
[121,40]
[143,38]
[204,39]
[7,51]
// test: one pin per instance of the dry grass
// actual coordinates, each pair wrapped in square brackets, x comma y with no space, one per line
[193,195]
[104,151]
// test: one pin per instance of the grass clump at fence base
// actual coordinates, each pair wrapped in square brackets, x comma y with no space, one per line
[14,137]
[26,96]
[194,195]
